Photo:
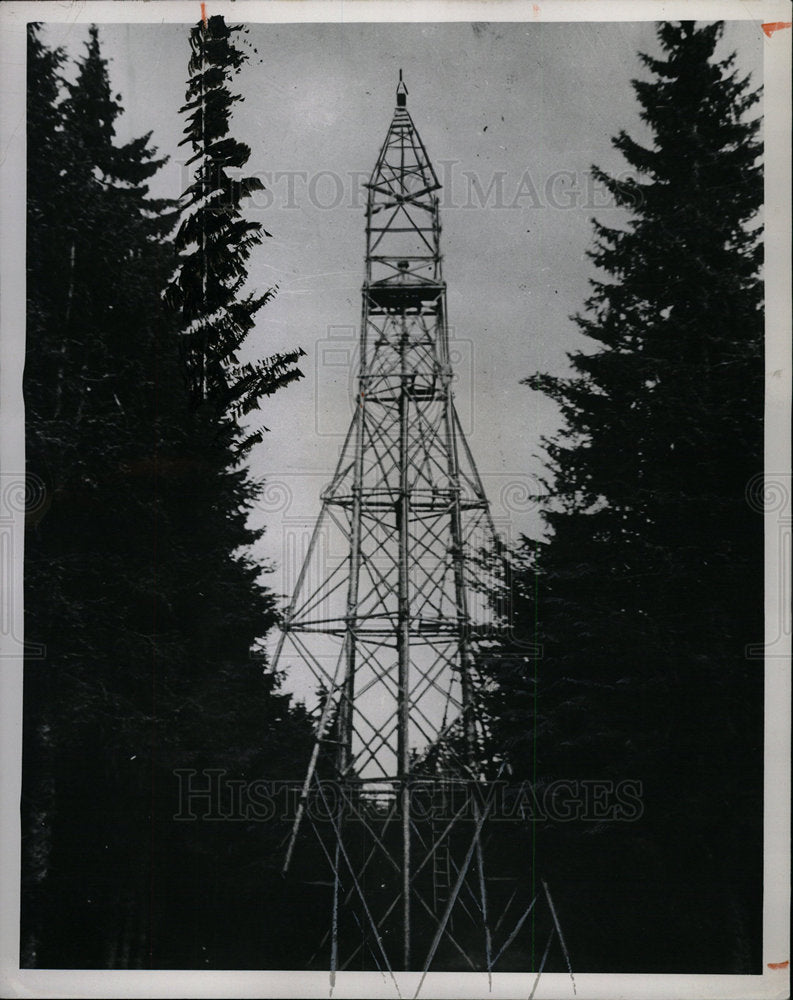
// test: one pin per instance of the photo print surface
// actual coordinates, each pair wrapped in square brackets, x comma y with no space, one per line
[396,503]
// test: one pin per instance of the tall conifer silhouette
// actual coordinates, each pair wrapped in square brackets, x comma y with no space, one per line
[215,240]
[648,588]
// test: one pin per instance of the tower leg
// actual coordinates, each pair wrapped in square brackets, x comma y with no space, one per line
[403,640]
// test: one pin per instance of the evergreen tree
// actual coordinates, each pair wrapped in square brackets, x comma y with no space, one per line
[215,240]
[224,598]
[648,588]
[92,234]
[43,202]
[137,581]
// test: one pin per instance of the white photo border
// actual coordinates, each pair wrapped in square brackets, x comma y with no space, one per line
[774,981]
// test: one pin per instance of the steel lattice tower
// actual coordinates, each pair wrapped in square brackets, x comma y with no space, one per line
[392,627]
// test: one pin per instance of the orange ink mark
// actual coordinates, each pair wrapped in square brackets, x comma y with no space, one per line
[536,9]
[772,26]
[204,14]
[778,965]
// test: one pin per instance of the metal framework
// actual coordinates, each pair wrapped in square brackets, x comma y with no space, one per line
[400,588]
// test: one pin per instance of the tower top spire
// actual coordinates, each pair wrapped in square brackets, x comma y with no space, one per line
[401,92]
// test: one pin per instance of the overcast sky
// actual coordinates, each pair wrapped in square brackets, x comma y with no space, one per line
[512,115]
